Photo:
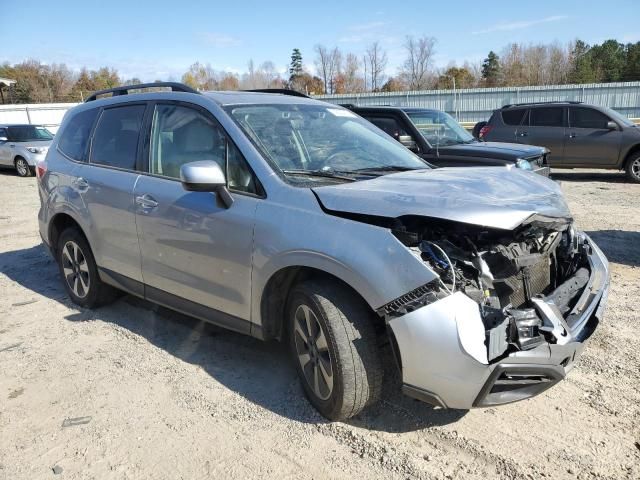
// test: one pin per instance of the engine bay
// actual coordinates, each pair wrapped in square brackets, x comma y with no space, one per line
[505,272]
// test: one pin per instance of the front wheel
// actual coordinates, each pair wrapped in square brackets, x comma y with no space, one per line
[22,167]
[334,348]
[633,169]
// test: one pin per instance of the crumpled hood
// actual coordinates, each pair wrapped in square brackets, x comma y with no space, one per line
[492,197]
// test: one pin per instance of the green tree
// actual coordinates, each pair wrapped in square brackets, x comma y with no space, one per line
[582,70]
[464,78]
[491,70]
[295,68]
[631,70]
[608,61]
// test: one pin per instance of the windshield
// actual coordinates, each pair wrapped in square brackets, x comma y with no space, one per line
[618,117]
[299,139]
[439,128]
[29,133]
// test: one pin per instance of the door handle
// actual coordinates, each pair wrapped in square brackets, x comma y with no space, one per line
[523,134]
[572,135]
[81,184]
[146,201]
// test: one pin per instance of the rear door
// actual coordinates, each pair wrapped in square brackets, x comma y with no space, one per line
[512,119]
[589,142]
[106,185]
[545,127]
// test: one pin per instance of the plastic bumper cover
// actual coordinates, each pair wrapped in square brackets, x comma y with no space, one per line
[443,356]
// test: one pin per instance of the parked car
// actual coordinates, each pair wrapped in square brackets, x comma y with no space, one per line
[578,135]
[287,218]
[21,146]
[439,139]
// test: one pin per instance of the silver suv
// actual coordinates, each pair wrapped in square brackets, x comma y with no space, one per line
[22,146]
[287,218]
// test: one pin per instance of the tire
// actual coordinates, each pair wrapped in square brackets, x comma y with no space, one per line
[476,129]
[343,349]
[22,167]
[633,168]
[79,271]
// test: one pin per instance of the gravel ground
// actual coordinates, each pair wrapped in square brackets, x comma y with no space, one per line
[136,391]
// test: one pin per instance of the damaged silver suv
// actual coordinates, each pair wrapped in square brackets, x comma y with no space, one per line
[286,218]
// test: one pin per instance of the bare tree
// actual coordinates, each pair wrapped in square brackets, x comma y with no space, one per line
[419,60]
[328,63]
[375,63]
[352,80]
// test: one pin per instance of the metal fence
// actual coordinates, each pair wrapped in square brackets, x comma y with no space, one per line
[47,114]
[475,104]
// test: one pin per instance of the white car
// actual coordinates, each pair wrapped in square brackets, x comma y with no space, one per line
[22,146]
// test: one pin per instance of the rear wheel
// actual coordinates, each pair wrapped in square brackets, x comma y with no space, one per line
[22,167]
[633,168]
[333,344]
[79,271]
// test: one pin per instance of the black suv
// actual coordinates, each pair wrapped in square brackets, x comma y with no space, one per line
[439,139]
[578,135]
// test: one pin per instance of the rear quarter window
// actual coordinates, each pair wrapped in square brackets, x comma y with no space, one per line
[74,139]
[513,117]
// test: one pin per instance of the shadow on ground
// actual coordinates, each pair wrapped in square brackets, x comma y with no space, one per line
[620,246]
[612,176]
[261,372]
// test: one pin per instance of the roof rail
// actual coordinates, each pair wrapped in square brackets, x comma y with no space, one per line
[124,89]
[281,91]
[540,103]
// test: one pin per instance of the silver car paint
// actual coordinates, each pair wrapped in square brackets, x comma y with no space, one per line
[10,150]
[193,250]
[500,200]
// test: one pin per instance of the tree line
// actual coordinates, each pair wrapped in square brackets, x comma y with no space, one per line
[337,71]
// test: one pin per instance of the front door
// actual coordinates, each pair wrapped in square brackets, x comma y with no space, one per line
[195,252]
[545,128]
[589,142]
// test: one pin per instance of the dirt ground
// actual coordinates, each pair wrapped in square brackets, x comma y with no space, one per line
[135,391]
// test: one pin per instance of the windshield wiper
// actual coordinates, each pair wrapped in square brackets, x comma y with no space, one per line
[319,173]
[387,168]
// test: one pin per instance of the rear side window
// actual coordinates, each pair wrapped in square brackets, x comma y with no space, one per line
[115,141]
[74,140]
[546,117]
[587,118]
[513,117]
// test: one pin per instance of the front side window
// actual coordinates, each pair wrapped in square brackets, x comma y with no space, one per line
[389,125]
[74,139]
[587,118]
[115,141]
[546,117]
[299,138]
[181,135]
[439,128]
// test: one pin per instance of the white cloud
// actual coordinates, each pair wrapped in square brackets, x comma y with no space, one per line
[218,40]
[518,25]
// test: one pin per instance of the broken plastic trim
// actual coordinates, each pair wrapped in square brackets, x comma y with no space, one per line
[408,302]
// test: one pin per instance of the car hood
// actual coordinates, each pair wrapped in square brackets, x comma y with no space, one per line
[514,150]
[492,197]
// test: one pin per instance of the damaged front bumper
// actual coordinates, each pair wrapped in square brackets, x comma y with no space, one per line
[443,357]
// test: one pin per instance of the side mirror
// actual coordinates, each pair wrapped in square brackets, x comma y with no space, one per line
[408,142]
[4,139]
[206,176]
[611,125]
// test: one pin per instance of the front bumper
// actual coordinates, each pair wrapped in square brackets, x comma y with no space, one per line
[443,357]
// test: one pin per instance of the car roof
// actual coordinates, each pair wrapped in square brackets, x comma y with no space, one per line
[236,97]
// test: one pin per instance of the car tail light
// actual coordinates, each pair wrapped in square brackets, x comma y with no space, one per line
[484,130]
[41,169]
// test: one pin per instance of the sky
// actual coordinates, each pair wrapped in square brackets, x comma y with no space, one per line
[160,39]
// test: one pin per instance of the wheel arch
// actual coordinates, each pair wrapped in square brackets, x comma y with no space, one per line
[58,224]
[631,153]
[275,294]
